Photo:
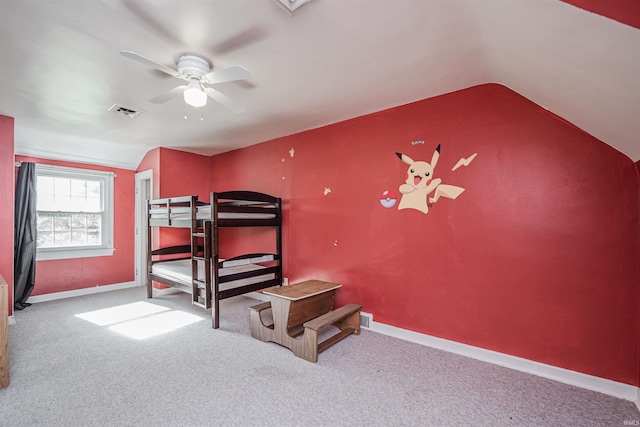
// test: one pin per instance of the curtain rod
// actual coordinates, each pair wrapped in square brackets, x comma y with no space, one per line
[18,164]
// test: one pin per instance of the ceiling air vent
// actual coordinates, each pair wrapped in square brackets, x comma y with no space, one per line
[129,112]
[294,6]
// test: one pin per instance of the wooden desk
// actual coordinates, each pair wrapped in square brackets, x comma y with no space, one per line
[4,334]
[294,307]
[302,290]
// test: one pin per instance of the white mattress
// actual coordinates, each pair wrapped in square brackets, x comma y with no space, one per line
[204,212]
[180,270]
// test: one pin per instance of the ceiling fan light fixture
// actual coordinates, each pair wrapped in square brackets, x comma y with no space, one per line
[194,95]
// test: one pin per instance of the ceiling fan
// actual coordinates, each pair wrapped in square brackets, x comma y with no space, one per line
[197,72]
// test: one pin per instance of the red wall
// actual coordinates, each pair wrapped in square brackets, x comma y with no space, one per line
[151,161]
[538,258]
[261,168]
[7,195]
[184,173]
[175,173]
[181,174]
[625,11]
[78,273]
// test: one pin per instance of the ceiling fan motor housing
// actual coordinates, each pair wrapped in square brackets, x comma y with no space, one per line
[193,66]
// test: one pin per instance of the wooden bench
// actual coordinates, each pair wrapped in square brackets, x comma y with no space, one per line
[256,320]
[304,309]
[345,318]
[260,307]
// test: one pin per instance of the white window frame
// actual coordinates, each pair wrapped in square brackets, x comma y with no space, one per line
[106,179]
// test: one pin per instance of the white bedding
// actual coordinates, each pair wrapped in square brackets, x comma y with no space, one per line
[180,270]
[204,212]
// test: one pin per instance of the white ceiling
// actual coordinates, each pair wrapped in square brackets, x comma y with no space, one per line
[60,68]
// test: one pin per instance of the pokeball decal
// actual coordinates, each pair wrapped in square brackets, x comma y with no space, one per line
[388,199]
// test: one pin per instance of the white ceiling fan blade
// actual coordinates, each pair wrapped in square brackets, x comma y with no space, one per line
[240,40]
[237,72]
[164,97]
[147,61]
[224,100]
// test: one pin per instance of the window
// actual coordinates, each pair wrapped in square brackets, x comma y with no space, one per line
[74,212]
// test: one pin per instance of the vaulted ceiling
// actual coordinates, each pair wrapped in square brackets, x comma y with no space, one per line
[61,71]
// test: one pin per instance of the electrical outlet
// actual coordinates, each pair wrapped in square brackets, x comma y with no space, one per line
[285,281]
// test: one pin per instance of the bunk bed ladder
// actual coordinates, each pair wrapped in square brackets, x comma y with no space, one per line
[201,235]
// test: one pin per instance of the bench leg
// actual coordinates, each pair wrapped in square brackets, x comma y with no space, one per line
[309,349]
[258,329]
[352,321]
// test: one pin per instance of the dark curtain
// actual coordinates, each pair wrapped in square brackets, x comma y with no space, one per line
[24,236]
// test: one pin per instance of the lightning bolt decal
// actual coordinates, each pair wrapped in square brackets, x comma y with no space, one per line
[464,162]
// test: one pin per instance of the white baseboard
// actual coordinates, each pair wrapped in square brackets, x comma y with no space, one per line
[79,292]
[578,379]
[165,291]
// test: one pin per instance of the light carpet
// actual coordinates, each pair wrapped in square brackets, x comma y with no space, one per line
[69,371]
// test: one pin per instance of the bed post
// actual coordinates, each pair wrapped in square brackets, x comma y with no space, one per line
[215,294]
[279,274]
[195,290]
[149,258]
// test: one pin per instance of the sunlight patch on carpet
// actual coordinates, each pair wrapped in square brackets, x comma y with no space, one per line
[155,325]
[121,313]
[140,320]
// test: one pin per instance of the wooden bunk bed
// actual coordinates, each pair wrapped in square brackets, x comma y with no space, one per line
[196,267]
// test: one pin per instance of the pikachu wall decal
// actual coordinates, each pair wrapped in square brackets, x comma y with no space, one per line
[420,183]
